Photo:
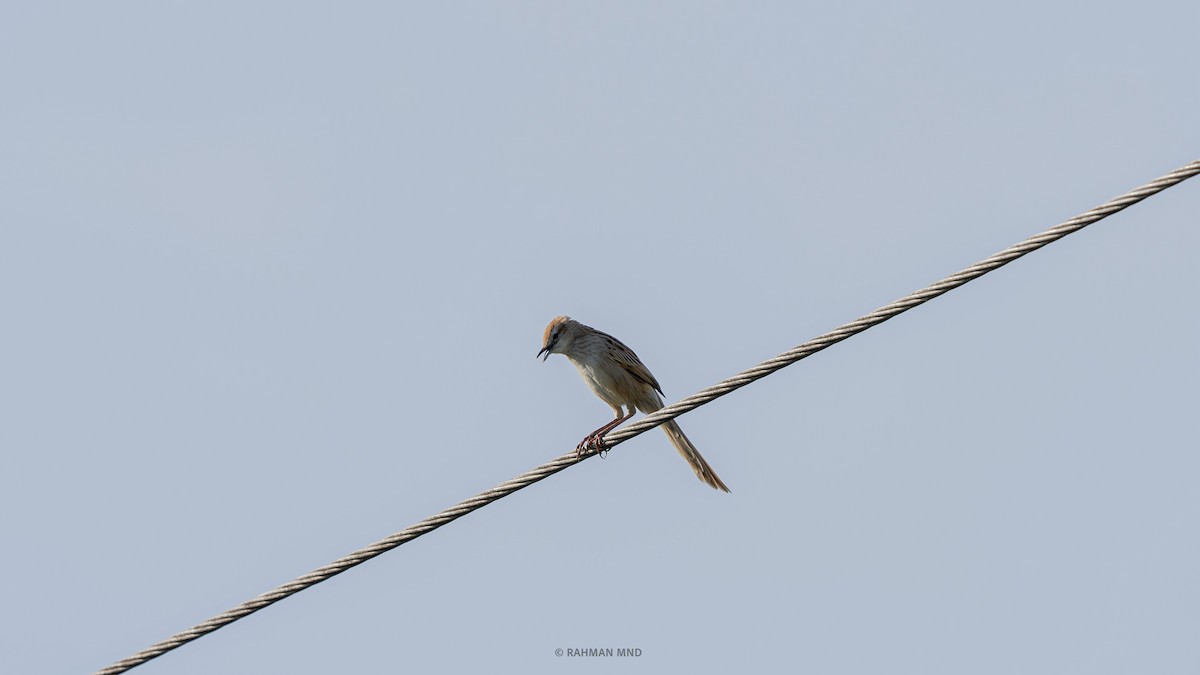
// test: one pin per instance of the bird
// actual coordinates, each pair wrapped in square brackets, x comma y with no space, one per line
[621,380]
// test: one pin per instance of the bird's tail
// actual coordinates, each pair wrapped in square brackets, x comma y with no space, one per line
[703,471]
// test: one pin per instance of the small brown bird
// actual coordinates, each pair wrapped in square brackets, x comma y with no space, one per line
[619,378]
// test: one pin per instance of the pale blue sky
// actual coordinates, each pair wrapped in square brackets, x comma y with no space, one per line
[273,276]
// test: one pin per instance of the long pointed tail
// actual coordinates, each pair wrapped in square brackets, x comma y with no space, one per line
[703,471]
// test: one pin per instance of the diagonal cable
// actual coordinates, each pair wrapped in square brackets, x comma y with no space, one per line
[669,412]
[902,305]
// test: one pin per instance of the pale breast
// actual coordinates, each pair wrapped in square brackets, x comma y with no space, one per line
[613,385]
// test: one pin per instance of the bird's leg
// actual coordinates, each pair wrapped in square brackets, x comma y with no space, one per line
[594,442]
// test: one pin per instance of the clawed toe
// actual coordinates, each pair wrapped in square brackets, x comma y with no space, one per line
[589,445]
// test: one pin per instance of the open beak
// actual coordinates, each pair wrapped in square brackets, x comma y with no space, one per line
[546,351]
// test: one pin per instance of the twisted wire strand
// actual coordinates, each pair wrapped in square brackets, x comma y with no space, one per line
[667,413]
[902,305]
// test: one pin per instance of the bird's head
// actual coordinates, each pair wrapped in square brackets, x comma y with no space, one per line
[558,336]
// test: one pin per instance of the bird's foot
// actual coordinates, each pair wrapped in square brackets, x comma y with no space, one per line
[590,445]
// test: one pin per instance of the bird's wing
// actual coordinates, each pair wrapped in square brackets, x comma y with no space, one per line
[630,361]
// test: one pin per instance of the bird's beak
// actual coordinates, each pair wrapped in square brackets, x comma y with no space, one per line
[546,351]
